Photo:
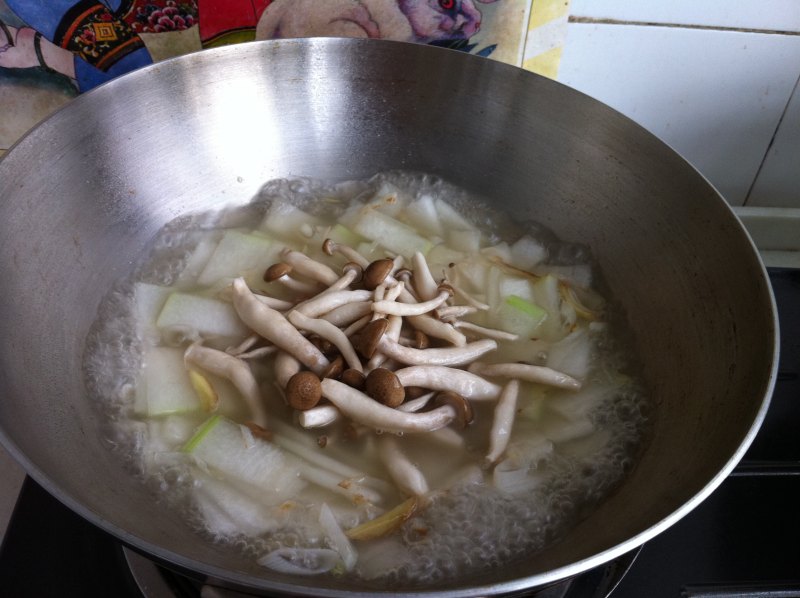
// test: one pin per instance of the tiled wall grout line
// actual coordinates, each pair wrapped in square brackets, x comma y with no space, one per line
[602,21]
[772,140]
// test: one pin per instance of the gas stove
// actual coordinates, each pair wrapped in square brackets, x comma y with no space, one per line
[740,542]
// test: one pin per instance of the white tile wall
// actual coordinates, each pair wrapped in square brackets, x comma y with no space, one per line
[715,96]
[778,181]
[774,15]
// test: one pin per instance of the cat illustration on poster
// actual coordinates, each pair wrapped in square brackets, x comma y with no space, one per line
[90,42]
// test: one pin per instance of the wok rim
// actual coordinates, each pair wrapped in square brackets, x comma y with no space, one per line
[171,558]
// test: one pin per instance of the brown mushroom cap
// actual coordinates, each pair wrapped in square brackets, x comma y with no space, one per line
[259,431]
[367,339]
[446,288]
[421,340]
[328,246]
[376,273]
[415,392]
[383,386]
[326,347]
[462,407]
[404,274]
[276,271]
[356,268]
[353,378]
[334,369]
[303,391]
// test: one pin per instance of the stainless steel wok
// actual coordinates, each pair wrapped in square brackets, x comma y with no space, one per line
[81,196]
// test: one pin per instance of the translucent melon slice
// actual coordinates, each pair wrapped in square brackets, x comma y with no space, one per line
[390,232]
[286,221]
[163,387]
[422,215]
[520,316]
[226,448]
[193,315]
[239,254]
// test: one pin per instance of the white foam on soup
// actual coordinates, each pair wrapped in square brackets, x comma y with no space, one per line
[469,528]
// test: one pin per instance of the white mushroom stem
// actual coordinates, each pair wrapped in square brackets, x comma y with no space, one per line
[424,284]
[325,415]
[298,286]
[438,329]
[326,302]
[415,405]
[447,437]
[285,366]
[329,332]
[358,324]
[397,262]
[404,276]
[393,330]
[243,346]
[319,417]
[259,352]
[379,292]
[437,356]
[231,368]
[357,406]
[503,421]
[393,291]
[524,371]
[289,438]
[344,282]
[378,295]
[389,293]
[455,311]
[357,493]
[500,335]
[304,265]
[274,327]
[437,377]
[274,303]
[348,252]
[396,308]
[408,478]
[469,298]
[406,341]
[348,313]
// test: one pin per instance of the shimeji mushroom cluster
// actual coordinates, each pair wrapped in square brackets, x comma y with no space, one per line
[378,344]
[364,340]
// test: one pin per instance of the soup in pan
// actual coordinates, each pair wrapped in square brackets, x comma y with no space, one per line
[384,379]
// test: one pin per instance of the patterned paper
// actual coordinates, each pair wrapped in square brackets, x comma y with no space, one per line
[52,50]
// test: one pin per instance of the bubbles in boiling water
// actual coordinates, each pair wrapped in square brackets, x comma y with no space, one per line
[469,528]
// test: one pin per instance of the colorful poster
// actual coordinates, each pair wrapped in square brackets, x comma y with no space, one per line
[52,50]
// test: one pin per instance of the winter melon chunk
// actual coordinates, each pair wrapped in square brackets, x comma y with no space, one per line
[520,316]
[149,300]
[422,215]
[288,222]
[239,254]
[194,316]
[163,387]
[390,232]
[229,450]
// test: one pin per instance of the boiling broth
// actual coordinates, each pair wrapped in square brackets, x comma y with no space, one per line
[567,448]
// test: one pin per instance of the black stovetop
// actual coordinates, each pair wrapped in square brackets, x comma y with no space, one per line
[740,542]
[743,541]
